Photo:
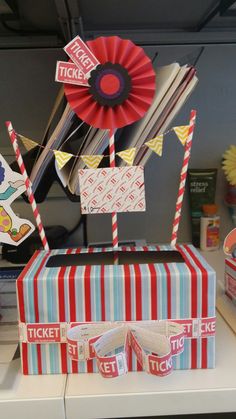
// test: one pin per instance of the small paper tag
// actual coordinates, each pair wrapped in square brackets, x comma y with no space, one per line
[39,332]
[118,189]
[67,72]
[81,55]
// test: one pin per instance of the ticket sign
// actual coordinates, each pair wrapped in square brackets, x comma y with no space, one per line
[68,72]
[81,55]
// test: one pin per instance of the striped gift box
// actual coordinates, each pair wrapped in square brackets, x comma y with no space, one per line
[149,291]
[230,278]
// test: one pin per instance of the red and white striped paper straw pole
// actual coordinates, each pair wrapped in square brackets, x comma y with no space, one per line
[114,214]
[13,138]
[183,176]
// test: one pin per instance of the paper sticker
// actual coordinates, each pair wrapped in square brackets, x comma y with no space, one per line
[116,189]
[13,230]
[67,72]
[81,55]
[229,246]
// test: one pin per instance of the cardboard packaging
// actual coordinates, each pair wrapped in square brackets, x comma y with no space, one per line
[60,287]
[230,278]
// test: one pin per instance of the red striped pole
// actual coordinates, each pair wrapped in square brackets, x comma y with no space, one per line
[13,138]
[183,176]
[114,214]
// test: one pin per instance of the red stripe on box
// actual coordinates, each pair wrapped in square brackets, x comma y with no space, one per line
[127,293]
[194,303]
[168,280]
[138,292]
[154,296]
[87,299]
[204,303]
[36,310]
[87,293]
[62,316]
[24,355]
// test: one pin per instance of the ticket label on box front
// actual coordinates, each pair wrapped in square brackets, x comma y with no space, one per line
[68,72]
[81,55]
[39,332]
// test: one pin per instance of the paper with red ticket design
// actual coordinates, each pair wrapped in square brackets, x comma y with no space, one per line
[119,189]
[81,55]
[68,72]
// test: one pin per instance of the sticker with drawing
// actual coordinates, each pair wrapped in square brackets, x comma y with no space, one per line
[13,229]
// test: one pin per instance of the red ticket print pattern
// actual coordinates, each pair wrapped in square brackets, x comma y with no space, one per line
[105,190]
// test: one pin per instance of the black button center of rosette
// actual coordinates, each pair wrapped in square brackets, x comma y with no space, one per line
[110,84]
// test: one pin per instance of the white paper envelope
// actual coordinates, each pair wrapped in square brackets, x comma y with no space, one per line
[115,189]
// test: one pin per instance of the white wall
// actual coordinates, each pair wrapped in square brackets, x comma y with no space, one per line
[27,91]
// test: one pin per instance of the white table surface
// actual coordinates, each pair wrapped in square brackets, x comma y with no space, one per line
[30,397]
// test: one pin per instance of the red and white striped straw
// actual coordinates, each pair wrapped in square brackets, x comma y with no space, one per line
[114,214]
[183,176]
[13,138]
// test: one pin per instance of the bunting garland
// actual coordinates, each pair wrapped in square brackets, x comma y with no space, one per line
[128,155]
[182,133]
[156,144]
[92,161]
[62,158]
[29,144]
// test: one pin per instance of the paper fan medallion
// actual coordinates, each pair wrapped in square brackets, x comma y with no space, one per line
[120,89]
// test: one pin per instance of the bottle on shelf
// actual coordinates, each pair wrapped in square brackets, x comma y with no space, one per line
[209,228]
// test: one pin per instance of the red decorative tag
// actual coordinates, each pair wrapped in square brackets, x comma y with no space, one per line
[81,55]
[39,332]
[68,72]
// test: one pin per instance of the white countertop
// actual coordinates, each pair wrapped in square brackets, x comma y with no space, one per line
[30,397]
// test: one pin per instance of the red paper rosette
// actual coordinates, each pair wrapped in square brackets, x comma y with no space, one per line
[121,88]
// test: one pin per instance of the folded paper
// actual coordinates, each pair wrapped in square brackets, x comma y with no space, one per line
[13,229]
[182,133]
[127,155]
[28,143]
[156,144]
[93,161]
[122,83]
[119,189]
[62,158]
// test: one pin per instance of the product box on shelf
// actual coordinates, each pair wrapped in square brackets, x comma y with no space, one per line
[59,289]
[230,278]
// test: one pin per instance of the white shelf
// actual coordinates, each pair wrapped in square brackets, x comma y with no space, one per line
[30,397]
[139,394]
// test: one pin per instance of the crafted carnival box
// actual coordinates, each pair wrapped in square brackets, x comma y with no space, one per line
[230,278]
[61,289]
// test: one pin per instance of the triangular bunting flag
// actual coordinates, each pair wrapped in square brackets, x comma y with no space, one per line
[62,158]
[92,162]
[128,155]
[156,144]
[29,144]
[182,133]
